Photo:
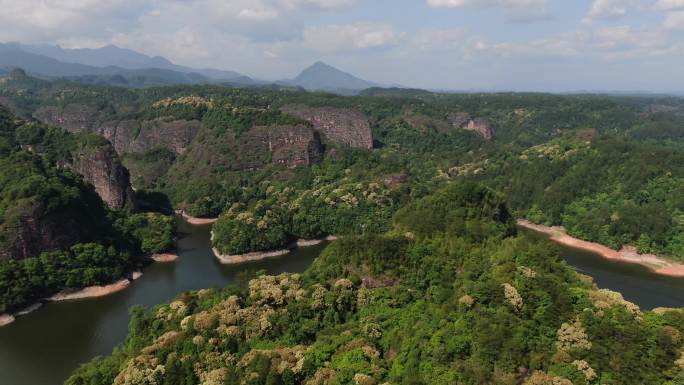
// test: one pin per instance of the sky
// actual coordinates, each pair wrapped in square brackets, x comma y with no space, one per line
[521,45]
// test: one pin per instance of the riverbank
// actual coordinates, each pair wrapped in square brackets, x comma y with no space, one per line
[164,257]
[249,257]
[627,254]
[70,295]
[261,255]
[196,221]
[91,292]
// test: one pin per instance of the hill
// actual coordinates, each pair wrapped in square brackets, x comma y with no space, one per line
[323,77]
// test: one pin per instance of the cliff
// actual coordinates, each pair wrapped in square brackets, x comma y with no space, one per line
[287,145]
[100,166]
[290,146]
[127,136]
[340,125]
[481,126]
[72,117]
[39,230]
[130,136]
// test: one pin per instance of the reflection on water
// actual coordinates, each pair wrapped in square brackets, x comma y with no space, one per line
[637,283]
[44,347]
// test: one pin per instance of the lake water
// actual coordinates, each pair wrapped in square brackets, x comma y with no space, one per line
[44,347]
[637,283]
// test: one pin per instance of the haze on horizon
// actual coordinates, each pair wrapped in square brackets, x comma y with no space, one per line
[522,45]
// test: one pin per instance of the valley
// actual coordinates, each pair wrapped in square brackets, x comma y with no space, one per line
[424,277]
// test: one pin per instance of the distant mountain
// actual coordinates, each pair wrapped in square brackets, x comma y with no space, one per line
[15,55]
[323,77]
[113,56]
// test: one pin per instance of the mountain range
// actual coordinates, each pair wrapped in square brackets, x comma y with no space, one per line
[111,65]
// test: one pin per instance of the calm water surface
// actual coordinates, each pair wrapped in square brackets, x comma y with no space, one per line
[636,283]
[44,347]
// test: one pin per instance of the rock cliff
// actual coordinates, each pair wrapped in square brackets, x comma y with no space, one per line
[100,166]
[343,126]
[482,126]
[38,231]
[130,136]
[291,146]
[72,117]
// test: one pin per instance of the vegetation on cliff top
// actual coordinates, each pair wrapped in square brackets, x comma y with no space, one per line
[55,231]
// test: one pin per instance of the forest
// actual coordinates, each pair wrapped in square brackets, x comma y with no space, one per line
[43,205]
[429,282]
[452,297]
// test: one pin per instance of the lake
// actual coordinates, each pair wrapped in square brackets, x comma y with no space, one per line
[44,347]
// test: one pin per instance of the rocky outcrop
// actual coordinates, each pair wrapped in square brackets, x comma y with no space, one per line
[290,146]
[127,136]
[100,166]
[130,136]
[340,125]
[38,230]
[72,117]
[482,126]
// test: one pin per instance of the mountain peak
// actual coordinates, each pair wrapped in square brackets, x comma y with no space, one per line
[322,76]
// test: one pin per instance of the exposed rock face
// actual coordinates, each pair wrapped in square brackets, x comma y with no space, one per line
[101,168]
[286,145]
[482,126]
[37,232]
[458,119]
[343,126]
[73,117]
[130,136]
[291,146]
[127,136]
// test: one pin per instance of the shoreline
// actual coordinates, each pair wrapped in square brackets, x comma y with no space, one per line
[73,295]
[164,257]
[248,257]
[95,291]
[196,221]
[627,254]
[261,255]
[90,291]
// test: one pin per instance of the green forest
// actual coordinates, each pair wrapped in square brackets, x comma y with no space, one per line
[455,297]
[85,242]
[430,281]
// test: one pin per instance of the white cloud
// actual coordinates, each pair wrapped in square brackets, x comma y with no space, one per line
[318,4]
[667,5]
[51,19]
[675,20]
[443,39]
[486,3]
[569,44]
[609,9]
[257,14]
[516,10]
[618,42]
[350,37]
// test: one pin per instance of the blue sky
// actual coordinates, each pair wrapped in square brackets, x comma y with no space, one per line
[536,45]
